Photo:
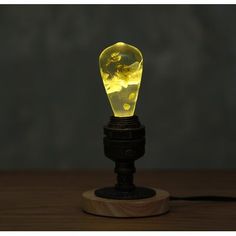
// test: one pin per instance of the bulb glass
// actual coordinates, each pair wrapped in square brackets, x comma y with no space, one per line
[121,67]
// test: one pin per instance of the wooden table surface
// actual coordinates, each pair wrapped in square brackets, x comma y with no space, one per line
[39,200]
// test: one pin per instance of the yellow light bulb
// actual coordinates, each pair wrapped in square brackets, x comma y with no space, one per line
[121,67]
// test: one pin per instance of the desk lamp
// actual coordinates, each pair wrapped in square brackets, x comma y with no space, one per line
[121,67]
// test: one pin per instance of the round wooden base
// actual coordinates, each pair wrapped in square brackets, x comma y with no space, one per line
[155,205]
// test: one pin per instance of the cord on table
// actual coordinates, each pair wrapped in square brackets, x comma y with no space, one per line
[204,198]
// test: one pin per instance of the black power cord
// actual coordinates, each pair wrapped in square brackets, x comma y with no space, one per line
[204,198]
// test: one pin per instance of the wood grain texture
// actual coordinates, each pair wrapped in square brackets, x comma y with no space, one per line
[153,206]
[51,200]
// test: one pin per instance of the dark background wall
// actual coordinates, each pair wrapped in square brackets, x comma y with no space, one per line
[53,105]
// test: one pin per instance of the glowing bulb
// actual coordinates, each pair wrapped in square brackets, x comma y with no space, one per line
[121,67]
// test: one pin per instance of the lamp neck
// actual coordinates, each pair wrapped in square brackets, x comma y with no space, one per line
[124,142]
